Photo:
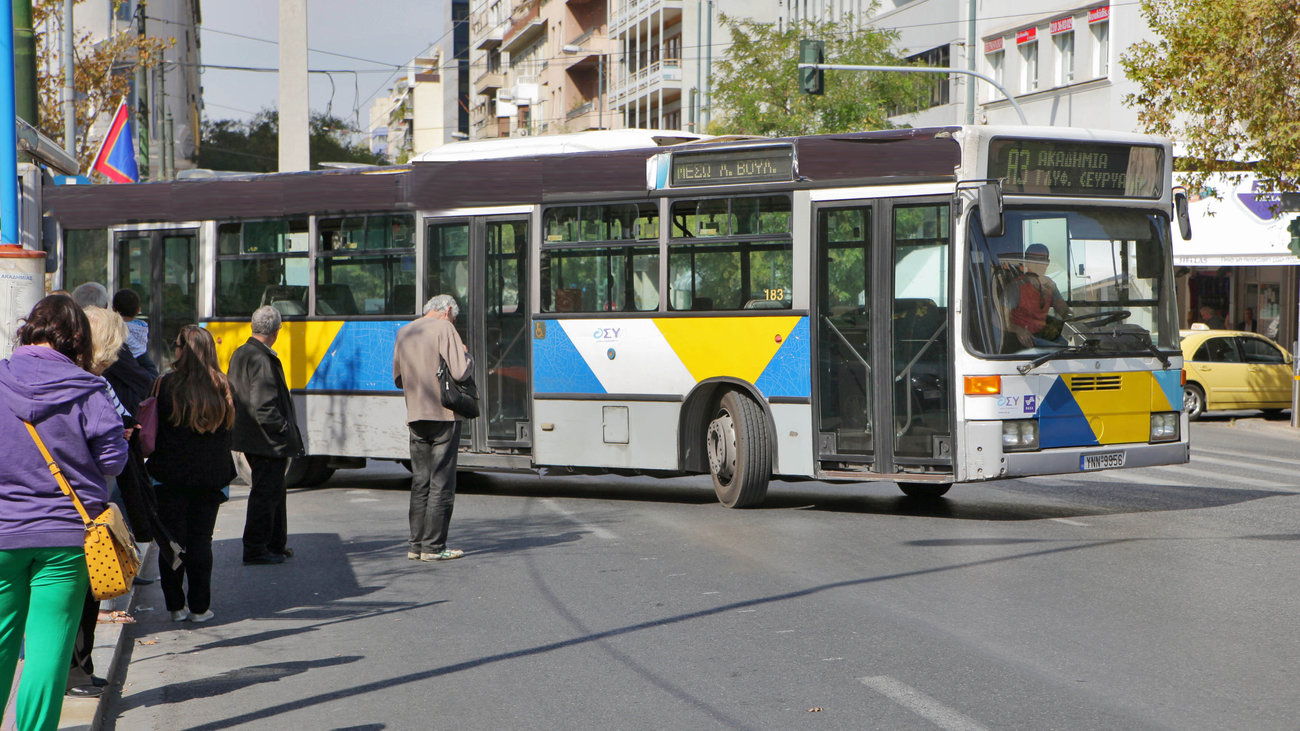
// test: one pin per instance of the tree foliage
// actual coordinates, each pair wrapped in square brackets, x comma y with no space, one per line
[102,73]
[1220,78]
[756,87]
[254,147]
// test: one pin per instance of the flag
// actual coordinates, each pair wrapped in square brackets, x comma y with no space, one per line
[116,156]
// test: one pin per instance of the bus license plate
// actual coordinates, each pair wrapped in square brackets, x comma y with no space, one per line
[1101,461]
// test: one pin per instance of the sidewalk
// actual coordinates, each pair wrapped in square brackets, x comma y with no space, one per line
[82,714]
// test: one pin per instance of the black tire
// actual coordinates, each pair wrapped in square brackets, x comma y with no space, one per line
[739,451]
[307,471]
[924,490]
[1193,401]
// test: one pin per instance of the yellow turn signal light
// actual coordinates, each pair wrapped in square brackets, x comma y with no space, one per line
[983,385]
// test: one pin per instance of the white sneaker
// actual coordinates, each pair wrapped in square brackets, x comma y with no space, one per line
[202,617]
[180,615]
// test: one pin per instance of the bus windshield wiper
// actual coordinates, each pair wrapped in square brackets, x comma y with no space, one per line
[1088,345]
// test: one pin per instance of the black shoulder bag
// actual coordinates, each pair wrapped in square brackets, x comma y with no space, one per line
[459,396]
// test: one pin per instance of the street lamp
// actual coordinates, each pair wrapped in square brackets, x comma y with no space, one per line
[600,80]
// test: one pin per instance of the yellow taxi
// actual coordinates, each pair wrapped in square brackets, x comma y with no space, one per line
[1231,369]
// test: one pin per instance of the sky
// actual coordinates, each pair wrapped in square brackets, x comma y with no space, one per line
[372,38]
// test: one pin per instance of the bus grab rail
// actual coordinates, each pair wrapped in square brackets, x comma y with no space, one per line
[906,373]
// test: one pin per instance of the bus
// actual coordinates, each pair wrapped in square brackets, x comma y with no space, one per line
[843,307]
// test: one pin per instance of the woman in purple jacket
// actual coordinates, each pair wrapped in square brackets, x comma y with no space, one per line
[43,576]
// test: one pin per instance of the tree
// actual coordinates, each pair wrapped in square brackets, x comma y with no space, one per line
[1221,79]
[102,73]
[756,88]
[253,147]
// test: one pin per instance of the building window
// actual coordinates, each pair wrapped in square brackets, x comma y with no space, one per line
[1064,58]
[1101,48]
[1028,41]
[996,61]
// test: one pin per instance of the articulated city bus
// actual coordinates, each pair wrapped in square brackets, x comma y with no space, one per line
[923,306]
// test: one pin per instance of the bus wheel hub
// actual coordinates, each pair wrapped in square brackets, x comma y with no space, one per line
[722,447]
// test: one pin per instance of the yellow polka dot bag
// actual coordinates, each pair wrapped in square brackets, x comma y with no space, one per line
[111,556]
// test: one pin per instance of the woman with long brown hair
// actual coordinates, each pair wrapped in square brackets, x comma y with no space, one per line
[192,465]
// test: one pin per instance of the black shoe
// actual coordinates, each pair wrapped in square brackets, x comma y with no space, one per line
[98,682]
[138,581]
[287,553]
[84,691]
[266,558]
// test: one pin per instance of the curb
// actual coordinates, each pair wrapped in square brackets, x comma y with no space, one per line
[87,714]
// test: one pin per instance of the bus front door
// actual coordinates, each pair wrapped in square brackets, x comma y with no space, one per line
[482,262]
[882,353]
[162,267]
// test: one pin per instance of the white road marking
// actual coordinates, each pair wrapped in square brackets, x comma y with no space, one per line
[597,531]
[1246,465]
[921,704]
[1232,480]
[1067,521]
[1238,456]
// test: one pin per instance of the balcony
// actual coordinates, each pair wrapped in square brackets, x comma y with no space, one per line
[584,117]
[488,82]
[487,31]
[665,74]
[524,29]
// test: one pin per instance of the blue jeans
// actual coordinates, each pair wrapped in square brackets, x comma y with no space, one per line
[433,482]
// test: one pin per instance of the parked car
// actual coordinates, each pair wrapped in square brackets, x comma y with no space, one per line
[1231,369]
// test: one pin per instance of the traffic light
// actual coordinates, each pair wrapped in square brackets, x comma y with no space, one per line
[812,81]
[1294,228]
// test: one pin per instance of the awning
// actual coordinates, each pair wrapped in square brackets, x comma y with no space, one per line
[1236,229]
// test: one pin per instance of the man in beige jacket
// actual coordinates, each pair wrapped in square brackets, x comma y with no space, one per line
[421,348]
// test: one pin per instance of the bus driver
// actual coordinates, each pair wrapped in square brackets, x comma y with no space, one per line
[1028,298]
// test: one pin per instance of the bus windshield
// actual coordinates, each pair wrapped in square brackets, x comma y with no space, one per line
[1086,279]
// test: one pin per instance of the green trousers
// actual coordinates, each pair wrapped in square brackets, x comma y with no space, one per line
[41,594]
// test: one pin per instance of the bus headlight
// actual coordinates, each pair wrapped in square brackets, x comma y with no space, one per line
[1164,426]
[1020,435]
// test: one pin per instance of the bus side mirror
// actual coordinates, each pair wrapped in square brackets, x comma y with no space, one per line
[1182,213]
[991,218]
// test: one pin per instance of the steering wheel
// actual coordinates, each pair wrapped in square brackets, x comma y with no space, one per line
[1098,319]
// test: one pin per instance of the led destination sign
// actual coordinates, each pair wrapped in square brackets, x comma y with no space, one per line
[1053,167]
[733,167]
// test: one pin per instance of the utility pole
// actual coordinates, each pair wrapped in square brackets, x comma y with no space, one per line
[294,120]
[141,101]
[24,41]
[8,130]
[69,85]
[970,63]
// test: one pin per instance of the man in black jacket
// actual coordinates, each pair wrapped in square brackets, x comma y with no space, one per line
[266,431]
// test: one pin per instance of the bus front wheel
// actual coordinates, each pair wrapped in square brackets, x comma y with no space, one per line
[739,451]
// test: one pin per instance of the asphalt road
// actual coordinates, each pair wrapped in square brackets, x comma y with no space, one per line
[1144,599]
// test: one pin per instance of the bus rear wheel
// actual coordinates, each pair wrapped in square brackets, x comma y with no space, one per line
[923,490]
[739,452]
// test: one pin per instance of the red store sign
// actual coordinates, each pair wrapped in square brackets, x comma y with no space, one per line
[1028,35]
[1064,25]
[1097,15]
[993,46]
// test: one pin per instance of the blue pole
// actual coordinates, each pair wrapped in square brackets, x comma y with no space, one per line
[8,129]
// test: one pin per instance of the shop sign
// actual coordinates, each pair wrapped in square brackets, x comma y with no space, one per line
[993,46]
[1063,25]
[1098,15]
[1026,35]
